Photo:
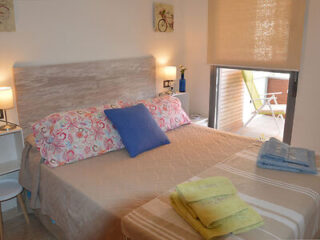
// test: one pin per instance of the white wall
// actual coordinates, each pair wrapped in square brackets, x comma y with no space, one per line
[64,31]
[306,128]
[198,73]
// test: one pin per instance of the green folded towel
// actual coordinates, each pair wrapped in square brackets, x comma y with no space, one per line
[205,188]
[203,199]
[214,209]
[244,220]
[188,207]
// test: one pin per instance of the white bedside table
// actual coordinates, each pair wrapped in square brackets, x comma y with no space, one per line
[200,120]
[11,147]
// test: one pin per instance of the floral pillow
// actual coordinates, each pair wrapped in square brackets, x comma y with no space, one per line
[79,134]
[167,112]
[75,135]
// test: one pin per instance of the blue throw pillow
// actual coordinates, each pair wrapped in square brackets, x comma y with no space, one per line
[138,130]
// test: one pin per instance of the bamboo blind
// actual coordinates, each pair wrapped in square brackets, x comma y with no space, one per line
[230,105]
[256,33]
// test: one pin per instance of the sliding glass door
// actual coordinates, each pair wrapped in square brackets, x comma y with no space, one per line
[242,100]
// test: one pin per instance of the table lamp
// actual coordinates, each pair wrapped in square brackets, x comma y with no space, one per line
[170,74]
[6,102]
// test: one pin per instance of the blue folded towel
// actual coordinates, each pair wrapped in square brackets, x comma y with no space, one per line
[280,156]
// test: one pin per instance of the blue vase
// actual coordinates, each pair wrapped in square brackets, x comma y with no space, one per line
[182,83]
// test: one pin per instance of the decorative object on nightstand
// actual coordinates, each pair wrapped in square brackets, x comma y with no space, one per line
[182,81]
[199,120]
[10,188]
[170,76]
[6,102]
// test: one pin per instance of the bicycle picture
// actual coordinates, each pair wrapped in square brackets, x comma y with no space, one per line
[164,18]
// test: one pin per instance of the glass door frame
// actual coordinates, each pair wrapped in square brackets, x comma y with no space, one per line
[291,100]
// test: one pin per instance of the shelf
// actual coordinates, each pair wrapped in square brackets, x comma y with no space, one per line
[11,147]
[10,166]
[17,129]
[180,93]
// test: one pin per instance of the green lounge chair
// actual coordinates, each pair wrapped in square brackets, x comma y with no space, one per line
[263,105]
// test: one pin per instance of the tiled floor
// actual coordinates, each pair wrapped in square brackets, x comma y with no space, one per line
[17,229]
[262,126]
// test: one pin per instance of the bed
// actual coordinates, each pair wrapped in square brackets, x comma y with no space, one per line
[88,199]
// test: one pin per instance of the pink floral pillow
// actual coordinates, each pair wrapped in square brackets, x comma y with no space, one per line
[167,112]
[75,135]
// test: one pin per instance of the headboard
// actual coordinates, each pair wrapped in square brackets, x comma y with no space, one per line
[42,90]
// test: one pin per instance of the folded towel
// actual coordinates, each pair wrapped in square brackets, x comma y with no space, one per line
[280,156]
[277,150]
[269,164]
[212,207]
[187,206]
[205,188]
[190,192]
[210,211]
[244,220]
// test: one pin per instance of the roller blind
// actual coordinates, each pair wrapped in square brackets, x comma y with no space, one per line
[256,33]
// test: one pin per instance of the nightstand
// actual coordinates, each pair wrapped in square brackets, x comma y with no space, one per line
[200,120]
[11,147]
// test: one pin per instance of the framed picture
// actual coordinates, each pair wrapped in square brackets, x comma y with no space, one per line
[7,21]
[163,17]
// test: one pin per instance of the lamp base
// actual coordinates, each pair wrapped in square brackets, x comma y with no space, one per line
[8,127]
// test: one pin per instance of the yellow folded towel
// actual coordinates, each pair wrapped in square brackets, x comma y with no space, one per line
[214,209]
[242,221]
[187,206]
[195,198]
[205,188]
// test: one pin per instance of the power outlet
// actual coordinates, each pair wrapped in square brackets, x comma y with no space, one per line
[1,114]
[166,83]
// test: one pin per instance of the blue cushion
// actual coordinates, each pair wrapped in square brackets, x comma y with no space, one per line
[137,128]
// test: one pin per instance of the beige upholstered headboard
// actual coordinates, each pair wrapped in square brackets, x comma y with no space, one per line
[43,90]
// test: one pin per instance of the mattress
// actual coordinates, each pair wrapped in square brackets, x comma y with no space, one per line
[289,204]
[87,199]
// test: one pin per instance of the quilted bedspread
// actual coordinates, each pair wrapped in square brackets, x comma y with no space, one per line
[87,199]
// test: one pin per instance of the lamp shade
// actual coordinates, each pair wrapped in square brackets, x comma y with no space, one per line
[6,98]
[170,72]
